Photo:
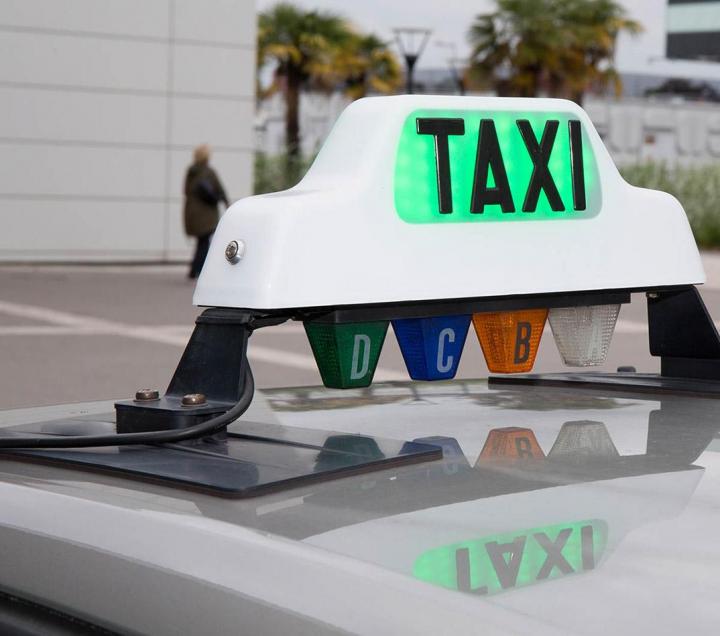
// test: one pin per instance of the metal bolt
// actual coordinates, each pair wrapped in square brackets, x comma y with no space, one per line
[234,251]
[193,399]
[147,395]
[652,294]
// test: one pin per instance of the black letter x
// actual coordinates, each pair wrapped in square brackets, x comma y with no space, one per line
[553,549]
[541,178]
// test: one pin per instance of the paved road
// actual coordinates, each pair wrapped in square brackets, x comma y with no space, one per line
[70,334]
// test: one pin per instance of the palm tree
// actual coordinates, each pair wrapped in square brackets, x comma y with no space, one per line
[368,65]
[561,47]
[512,46]
[590,48]
[304,46]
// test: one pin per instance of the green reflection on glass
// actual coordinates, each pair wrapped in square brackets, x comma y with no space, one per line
[416,189]
[514,559]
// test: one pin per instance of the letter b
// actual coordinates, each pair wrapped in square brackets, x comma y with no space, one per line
[522,342]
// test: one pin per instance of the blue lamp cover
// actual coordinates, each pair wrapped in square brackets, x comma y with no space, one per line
[454,460]
[431,347]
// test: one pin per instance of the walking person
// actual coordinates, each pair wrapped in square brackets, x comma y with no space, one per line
[203,192]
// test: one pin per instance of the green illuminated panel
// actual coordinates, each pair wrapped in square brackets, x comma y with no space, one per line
[515,559]
[430,189]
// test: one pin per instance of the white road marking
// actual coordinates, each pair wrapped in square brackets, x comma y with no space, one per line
[71,324]
[186,330]
[48,330]
[43,314]
[66,324]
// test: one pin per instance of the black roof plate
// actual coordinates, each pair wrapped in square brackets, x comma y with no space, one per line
[260,460]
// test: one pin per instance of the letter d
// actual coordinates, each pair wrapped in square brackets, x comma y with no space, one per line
[360,365]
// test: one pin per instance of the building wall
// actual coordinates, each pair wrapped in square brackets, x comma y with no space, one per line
[638,130]
[634,130]
[693,30]
[101,104]
[646,53]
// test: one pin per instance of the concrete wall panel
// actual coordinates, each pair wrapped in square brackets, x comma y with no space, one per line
[138,18]
[96,134]
[92,62]
[217,122]
[229,21]
[67,171]
[213,70]
[58,116]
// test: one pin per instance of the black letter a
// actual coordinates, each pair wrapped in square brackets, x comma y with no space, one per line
[489,155]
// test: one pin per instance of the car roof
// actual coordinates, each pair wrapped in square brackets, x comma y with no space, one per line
[486,533]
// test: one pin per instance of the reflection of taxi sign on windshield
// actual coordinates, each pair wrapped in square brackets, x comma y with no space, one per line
[580,440]
[511,442]
[510,560]
[429,212]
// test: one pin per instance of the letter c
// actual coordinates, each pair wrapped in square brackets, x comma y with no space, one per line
[445,364]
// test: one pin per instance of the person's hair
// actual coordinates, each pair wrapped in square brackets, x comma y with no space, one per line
[201,154]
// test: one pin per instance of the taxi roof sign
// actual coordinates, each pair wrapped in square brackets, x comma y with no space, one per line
[417,198]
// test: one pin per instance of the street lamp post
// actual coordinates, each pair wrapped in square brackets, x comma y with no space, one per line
[459,66]
[453,62]
[411,41]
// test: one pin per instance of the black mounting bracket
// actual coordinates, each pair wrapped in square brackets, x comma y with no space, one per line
[213,365]
[451,307]
[683,334]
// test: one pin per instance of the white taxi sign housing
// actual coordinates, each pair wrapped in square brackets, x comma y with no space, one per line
[431,197]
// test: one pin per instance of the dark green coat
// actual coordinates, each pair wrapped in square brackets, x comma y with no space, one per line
[201,217]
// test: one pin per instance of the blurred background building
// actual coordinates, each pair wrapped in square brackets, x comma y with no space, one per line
[668,109]
[693,30]
[102,104]
[103,101]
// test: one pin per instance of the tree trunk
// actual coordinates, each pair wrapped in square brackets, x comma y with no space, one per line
[503,89]
[292,114]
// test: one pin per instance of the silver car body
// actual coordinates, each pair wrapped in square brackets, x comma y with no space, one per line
[472,543]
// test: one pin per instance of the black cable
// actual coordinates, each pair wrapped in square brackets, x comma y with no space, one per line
[209,427]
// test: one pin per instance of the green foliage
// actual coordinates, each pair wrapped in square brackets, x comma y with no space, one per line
[697,188]
[365,64]
[301,43]
[279,172]
[319,50]
[559,47]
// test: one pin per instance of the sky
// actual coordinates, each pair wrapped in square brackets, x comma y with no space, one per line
[450,19]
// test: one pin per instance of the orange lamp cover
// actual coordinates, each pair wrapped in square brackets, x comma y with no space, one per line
[510,339]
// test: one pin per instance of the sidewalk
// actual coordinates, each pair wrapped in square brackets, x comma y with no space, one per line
[711,263]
